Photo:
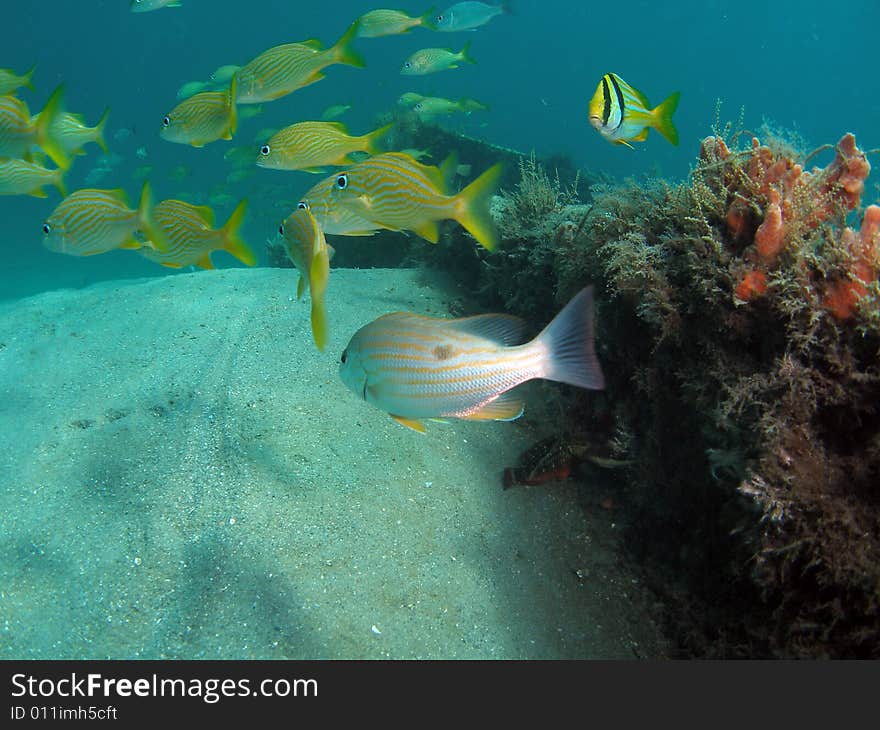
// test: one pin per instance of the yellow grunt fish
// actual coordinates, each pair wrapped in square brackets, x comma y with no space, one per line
[19,131]
[203,118]
[431,60]
[284,69]
[416,368]
[192,237]
[73,133]
[10,81]
[307,248]
[145,6]
[432,106]
[311,146]
[396,192]
[622,114]
[382,22]
[20,177]
[91,221]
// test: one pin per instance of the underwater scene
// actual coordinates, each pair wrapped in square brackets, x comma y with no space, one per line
[483,330]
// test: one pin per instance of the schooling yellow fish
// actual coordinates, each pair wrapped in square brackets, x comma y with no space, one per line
[203,118]
[431,60]
[192,237]
[416,368]
[284,69]
[395,192]
[382,22]
[19,131]
[10,81]
[91,221]
[20,177]
[307,248]
[622,114]
[73,133]
[334,219]
[311,146]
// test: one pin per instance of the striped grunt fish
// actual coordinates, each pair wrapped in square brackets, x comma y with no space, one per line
[622,114]
[396,192]
[19,131]
[73,134]
[10,81]
[382,22]
[20,177]
[332,218]
[307,248]
[92,221]
[192,237]
[431,60]
[283,69]
[418,368]
[311,146]
[203,118]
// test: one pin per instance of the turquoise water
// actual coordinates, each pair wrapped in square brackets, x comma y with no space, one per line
[184,475]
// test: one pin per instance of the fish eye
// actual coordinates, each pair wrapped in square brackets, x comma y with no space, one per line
[344,356]
[166,121]
[281,229]
[406,64]
[418,106]
[439,18]
[342,181]
[302,205]
[47,229]
[265,150]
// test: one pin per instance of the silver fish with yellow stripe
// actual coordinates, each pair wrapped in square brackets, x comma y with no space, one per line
[306,247]
[20,177]
[203,118]
[92,221]
[313,146]
[396,192]
[622,114]
[417,368]
[432,60]
[192,237]
[19,131]
[283,69]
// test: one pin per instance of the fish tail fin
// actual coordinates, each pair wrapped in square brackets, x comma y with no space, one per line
[466,53]
[319,273]
[344,53]
[45,137]
[473,207]
[99,130]
[58,181]
[426,19]
[152,230]
[231,99]
[662,116]
[371,140]
[231,234]
[568,343]
[27,77]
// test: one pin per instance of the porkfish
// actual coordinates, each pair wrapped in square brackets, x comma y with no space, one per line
[417,368]
[622,114]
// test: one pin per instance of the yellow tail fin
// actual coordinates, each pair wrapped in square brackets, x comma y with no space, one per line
[371,140]
[232,240]
[319,274]
[152,230]
[99,130]
[662,116]
[58,182]
[344,53]
[45,136]
[232,98]
[472,207]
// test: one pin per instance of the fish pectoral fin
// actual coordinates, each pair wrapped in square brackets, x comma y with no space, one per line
[504,408]
[625,143]
[132,244]
[641,136]
[204,262]
[428,231]
[412,423]
[301,287]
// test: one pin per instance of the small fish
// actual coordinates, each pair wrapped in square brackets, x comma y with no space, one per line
[431,60]
[311,146]
[250,111]
[179,173]
[432,106]
[141,153]
[19,131]
[409,99]
[142,172]
[191,88]
[239,174]
[416,154]
[20,177]
[283,69]
[622,114]
[145,6]
[203,118]
[224,74]
[73,133]
[382,22]
[468,16]
[221,200]
[10,81]
[395,192]
[416,368]
[91,221]
[334,112]
[307,248]
[192,237]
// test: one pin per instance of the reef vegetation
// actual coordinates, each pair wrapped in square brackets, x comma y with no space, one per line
[739,330]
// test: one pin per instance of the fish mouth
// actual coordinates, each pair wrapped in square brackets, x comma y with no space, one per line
[595,121]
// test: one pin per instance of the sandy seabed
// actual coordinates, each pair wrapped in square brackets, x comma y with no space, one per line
[183,475]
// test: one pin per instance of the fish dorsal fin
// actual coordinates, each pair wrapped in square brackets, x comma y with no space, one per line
[313,43]
[205,213]
[505,329]
[338,126]
[412,423]
[506,407]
